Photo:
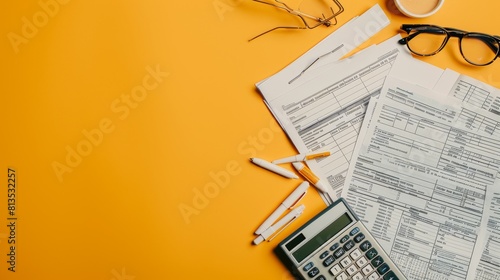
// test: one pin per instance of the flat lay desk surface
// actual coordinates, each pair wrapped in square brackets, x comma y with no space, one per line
[129,125]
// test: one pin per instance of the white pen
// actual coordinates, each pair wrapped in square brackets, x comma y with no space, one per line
[309,175]
[274,168]
[289,202]
[302,157]
[280,225]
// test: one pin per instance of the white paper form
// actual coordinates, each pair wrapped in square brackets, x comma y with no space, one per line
[419,182]
[486,98]
[326,113]
[345,39]
[488,267]
[470,91]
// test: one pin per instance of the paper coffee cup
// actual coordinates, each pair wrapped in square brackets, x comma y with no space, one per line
[418,8]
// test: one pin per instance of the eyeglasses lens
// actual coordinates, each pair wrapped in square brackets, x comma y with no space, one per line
[479,49]
[428,41]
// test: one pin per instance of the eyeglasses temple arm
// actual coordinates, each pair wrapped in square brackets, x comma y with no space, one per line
[321,21]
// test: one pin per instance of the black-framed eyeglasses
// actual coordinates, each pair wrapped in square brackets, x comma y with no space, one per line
[476,48]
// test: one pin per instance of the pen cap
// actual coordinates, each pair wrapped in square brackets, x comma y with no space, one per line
[317,155]
[258,240]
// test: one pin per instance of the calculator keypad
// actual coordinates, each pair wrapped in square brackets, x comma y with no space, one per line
[350,257]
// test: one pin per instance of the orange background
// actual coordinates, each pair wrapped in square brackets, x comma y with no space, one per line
[153,145]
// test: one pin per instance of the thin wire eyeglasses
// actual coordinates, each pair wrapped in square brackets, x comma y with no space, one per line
[326,21]
[426,40]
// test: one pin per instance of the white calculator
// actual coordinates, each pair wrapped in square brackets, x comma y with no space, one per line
[336,245]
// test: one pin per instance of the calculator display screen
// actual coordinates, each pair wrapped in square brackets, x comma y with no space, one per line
[322,237]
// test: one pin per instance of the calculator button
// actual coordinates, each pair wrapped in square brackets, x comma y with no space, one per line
[336,269]
[313,272]
[351,270]
[342,276]
[345,262]
[373,276]
[339,252]
[361,262]
[390,276]
[308,266]
[367,269]
[371,253]
[358,276]
[334,246]
[365,246]
[355,254]
[358,238]
[383,269]
[324,255]
[344,239]
[354,231]
[378,260]
[321,277]
[349,245]
[328,261]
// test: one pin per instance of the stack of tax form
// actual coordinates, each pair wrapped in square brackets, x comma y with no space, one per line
[320,100]
[415,152]
[424,175]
